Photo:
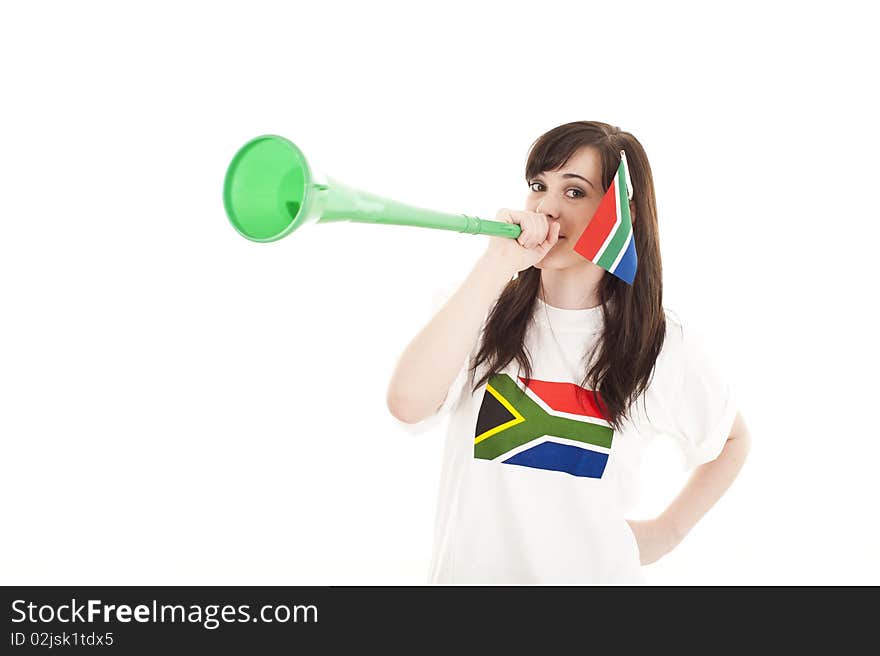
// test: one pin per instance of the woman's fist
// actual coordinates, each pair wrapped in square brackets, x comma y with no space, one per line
[538,236]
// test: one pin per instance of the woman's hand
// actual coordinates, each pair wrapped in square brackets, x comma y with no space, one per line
[535,240]
[654,537]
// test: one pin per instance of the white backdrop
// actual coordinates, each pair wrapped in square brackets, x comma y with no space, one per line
[183,406]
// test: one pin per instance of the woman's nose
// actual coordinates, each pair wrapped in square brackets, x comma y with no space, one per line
[548,207]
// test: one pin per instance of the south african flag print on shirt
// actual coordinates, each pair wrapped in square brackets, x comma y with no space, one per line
[542,424]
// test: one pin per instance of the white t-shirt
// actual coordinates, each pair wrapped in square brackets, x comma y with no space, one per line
[535,484]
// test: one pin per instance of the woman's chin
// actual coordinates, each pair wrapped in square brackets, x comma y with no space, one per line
[551,262]
[555,259]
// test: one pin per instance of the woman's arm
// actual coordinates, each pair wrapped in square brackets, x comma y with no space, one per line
[706,485]
[428,366]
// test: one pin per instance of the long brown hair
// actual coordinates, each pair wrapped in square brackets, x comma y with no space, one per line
[622,360]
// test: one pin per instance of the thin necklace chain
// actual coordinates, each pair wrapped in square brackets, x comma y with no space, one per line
[574,376]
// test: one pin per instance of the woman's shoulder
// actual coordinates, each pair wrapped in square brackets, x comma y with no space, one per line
[674,322]
[685,343]
[681,330]
[681,342]
[674,331]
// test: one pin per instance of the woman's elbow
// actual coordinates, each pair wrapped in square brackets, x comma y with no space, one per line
[405,409]
[401,409]
[740,432]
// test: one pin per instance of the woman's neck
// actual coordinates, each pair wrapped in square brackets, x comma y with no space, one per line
[572,288]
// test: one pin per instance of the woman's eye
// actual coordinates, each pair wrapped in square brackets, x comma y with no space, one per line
[537,186]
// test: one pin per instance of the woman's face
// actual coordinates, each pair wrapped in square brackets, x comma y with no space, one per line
[569,196]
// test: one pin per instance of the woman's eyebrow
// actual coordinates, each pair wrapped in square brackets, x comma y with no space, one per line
[574,175]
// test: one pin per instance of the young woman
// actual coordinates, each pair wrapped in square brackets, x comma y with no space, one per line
[556,373]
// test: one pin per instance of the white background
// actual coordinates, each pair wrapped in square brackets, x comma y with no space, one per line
[183,406]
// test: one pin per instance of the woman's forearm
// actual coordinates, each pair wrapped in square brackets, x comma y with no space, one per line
[429,364]
[707,484]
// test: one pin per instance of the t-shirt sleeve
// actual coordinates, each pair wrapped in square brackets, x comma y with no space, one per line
[455,389]
[691,399]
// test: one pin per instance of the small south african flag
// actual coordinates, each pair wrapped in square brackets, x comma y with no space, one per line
[608,239]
